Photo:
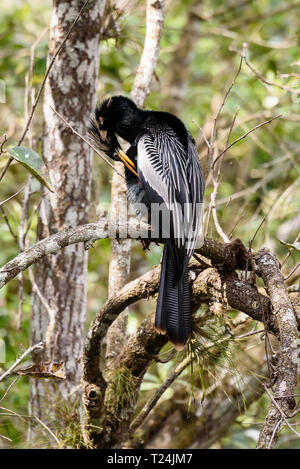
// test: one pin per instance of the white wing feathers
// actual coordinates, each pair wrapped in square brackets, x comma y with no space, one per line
[174,173]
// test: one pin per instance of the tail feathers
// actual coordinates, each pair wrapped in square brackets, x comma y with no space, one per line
[173,315]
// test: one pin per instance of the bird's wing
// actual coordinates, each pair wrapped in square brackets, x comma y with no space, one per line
[172,174]
[196,183]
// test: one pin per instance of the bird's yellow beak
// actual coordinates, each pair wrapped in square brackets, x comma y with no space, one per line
[127,161]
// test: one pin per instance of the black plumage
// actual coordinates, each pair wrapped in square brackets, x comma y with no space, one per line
[162,168]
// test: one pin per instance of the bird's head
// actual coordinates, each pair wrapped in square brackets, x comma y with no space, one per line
[102,132]
[120,115]
[116,115]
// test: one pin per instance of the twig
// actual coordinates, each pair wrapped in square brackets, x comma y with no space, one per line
[2,144]
[44,302]
[5,438]
[9,388]
[8,224]
[157,395]
[290,250]
[213,134]
[32,417]
[38,346]
[6,168]
[39,93]
[48,429]
[12,196]
[245,135]
[203,134]
[260,76]
[216,180]
[284,417]
[263,16]
[274,433]
[171,355]
[49,69]
[15,414]
[292,271]
[87,142]
[174,375]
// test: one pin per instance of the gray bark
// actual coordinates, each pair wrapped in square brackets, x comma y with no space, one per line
[59,307]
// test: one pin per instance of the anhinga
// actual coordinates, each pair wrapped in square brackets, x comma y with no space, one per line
[162,167]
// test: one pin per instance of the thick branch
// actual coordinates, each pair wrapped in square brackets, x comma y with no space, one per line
[269,269]
[55,243]
[138,352]
[230,256]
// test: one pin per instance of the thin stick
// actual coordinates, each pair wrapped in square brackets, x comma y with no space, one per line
[8,224]
[216,183]
[292,271]
[174,375]
[2,144]
[290,250]
[211,163]
[38,346]
[87,142]
[245,135]
[261,78]
[212,138]
[48,429]
[31,417]
[274,432]
[49,69]
[5,438]
[12,196]
[43,84]
[159,392]
[283,416]
[9,388]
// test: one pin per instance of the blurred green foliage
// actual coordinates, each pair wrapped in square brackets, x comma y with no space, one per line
[259,175]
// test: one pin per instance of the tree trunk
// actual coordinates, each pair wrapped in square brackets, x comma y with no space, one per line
[59,304]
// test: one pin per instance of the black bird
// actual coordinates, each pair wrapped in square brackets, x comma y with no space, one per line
[162,167]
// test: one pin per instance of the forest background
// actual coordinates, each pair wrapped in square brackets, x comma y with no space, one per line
[199,76]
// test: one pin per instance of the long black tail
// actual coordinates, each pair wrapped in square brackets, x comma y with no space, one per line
[173,315]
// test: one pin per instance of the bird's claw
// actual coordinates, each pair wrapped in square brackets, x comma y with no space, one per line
[145,244]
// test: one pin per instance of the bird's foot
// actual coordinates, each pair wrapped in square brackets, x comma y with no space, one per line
[145,244]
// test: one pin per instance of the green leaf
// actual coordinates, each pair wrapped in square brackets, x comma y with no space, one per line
[289,245]
[31,161]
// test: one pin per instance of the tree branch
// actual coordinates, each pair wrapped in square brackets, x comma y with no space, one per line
[269,269]
[230,256]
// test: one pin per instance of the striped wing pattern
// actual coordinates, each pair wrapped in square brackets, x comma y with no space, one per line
[175,174]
